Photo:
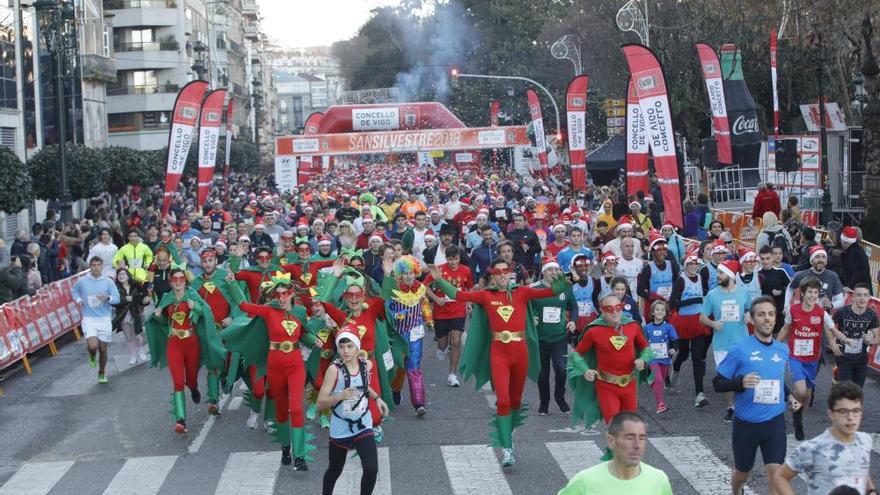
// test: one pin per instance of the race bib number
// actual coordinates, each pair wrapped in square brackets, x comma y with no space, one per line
[356,406]
[416,333]
[767,392]
[500,214]
[664,292]
[730,311]
[135,263]
[388,360]
[551,315]
[803,347]
[585,308]
[661,350]
[94,302]
[215,225]
[852,346]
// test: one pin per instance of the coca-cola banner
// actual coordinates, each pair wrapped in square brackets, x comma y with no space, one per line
[538,126]
[636,143]
[720,125]
[576,107]
[494,108]
[654,103]
[183,124]
[307,166]
[746,135]
[209,138]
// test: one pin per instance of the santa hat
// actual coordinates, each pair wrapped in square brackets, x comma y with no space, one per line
[849,234]
[729,268]
[668,225]
[350,333]
[691,258]
[719,247]
[376,236]
[433,211]
[816,251]
[324,239]
[608,256]
[748,256]
[559,226]
[581,256]
[548,263]
[625,222]
[429,234]
[287,234]
[655,237]
[566,218]
[318,221]
[635,203]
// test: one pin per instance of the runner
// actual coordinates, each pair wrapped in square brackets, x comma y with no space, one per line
[625,473]
[629,266]
[774,282]
[808,323]
[663,341]
[585,292]
[727,305]
[128,315]
[858,326]
[686,303]
[135,256]
[576,247]
[718,252]
[748,277]
[754,369]
[449,315]
[512,350]
[840,456]
[96,294]
[654,282]
[830,286]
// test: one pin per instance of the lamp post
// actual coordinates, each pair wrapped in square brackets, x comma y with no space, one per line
[827,204]
[57,14]
[199,65]
[456,74]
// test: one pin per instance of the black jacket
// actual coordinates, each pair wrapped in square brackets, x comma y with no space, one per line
[856,266]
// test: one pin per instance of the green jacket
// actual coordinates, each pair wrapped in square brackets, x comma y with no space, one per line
[548,309]
[212,355]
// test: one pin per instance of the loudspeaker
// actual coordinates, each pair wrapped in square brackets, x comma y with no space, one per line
[710,153]
[787,155]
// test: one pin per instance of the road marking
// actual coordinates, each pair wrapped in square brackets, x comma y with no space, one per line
[36,478]
[349,482]
[235,403]
[491,400]
[206,428]
[475,470]
[699,466]
[141,476]
[572,457]
[253,473]
[487,387]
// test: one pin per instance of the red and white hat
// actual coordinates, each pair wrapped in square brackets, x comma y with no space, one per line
[655,237]
[548,262]
[429,234]
[816,251]
[634,203]
[376,236]
[748,256]
[324,240]
[729,268]
[719,247]
[608,256]
[349,332]
[691,258]
[849,234]
[625,222]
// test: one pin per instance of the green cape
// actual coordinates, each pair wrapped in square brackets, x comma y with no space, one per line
[330,288]
[231,291]
[585,407]
[234,266]
[212,355]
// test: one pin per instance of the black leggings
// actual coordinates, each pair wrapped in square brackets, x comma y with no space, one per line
[697,348]
[366,450]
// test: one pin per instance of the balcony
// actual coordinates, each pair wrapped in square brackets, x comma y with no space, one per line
[249,7]
[162,59]
[251,31]
[147,46]
[143,89]
[138,13]
[139,4]
[98,68]
[236,48]
[144,98]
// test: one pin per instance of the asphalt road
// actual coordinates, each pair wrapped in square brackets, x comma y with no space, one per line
[63,433]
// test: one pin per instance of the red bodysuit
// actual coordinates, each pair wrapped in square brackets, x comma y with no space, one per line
[184,354]
[219,305]
[253,281]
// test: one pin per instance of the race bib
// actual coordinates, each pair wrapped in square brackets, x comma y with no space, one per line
[767,392]
[215,225]
[135,263]
[730,311]
[852,346]
[94,302]
[803,347]
[585,308]
[551,315]
[664,292]
[500,214]
[388,360]
[416,333]
[356,406]
[661,350]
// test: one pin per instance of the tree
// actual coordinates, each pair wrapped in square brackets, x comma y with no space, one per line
[127,167]
[15,183]
[86,172]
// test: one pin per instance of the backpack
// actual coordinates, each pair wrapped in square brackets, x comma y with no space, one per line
[775,238]
[346,376]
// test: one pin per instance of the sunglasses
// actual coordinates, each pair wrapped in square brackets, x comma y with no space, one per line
[178,278]
[612,308]
[501,271]
[661,248]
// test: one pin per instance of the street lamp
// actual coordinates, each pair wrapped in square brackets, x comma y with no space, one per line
[827,204]
[199,65]
[58,16]
[456,74]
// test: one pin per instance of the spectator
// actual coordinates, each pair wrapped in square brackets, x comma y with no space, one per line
[773,234]
[19,245]
[767,200]
[792,213]
[857,269]
[12,280]
[4,254]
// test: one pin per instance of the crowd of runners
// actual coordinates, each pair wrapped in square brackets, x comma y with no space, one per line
[325,301]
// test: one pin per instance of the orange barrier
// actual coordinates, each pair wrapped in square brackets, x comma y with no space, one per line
[32,322]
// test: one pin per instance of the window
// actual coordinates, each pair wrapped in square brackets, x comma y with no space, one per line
[188,13]
[282,105]
[221,41]
[7,137]
[121,122]
[142,35]
[284,119]
[106,49]
[144,78]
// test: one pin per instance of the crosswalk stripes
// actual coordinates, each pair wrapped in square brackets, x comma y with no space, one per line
[141,476]
[36,478]
[349,483]
[253,473]
[235,403]
[476,469]
[574,456]
[699,466]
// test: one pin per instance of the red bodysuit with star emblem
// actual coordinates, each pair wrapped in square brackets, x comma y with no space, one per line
[183,355]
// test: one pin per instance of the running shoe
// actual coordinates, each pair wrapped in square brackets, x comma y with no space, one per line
[378,434]
[196,395]
[395,397]
[441,356]
[728,418]
[507,459]
[673,378]
[662,408]
[252,420]
[299,464]
[667,382]
[285,456]
[102,378]
[93,361]
[563,407]
[542,410]
[421,412]
[213,410]
[701,400]
[452,380]
[142,355]
[180,427]
[798,420]
[324,421]
[132,360]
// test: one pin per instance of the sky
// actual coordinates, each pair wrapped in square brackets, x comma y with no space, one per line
[303,23]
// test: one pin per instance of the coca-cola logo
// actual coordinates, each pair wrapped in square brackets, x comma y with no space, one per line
[744,125]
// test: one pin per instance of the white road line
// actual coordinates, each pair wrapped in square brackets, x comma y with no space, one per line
[235,403]
[487,387]
[699,466]
[573,457]
[349,482]
[491,399]
[141,476]
[206,428]
[475,470]
[253,473]
[35,479]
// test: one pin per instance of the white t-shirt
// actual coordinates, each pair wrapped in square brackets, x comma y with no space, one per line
[630,269]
